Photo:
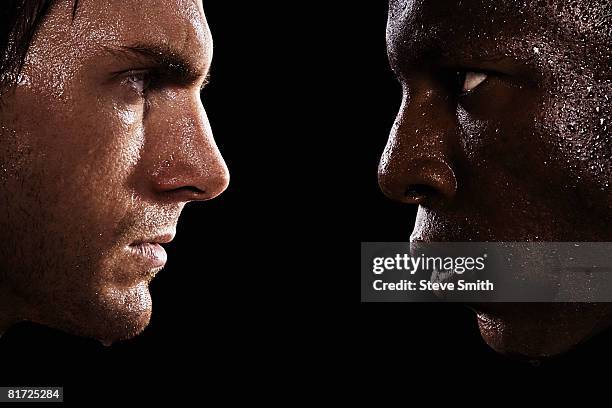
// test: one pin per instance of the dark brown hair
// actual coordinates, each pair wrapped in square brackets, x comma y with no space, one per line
[19,21]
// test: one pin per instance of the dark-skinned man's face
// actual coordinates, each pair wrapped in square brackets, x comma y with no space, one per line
[504,135]
[103,141]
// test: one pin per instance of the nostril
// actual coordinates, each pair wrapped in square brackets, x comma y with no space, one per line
[420,181]
[417,192]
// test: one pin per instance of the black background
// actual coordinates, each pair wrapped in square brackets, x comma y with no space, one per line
[260,287]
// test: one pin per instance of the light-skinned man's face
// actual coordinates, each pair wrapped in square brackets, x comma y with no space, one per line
[504,135]
[103,141]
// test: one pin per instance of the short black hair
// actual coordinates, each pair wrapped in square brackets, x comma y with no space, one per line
[19,21]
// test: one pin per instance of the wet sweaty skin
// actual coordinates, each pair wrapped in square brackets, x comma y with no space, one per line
[101,148]
[526,155]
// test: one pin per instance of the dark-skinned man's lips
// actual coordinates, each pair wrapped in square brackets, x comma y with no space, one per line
[433,244]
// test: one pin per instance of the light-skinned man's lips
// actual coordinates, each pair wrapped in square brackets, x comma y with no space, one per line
[152,254]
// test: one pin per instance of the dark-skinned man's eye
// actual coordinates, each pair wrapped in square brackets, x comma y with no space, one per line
[468,81]
[472,80]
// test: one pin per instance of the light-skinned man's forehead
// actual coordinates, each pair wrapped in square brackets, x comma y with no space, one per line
[175,38]
[177,24]
[462,30]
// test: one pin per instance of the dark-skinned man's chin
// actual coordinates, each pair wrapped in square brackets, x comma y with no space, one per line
[529,329]
[108,314]
[539,330]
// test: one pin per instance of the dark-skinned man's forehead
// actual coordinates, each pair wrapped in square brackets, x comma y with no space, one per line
[420,29]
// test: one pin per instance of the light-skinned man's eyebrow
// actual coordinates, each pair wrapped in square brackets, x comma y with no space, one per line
[166,61]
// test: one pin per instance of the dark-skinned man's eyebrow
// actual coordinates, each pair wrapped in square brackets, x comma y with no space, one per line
[165,61]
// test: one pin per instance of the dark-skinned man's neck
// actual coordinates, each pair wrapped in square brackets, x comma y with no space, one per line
[10,307]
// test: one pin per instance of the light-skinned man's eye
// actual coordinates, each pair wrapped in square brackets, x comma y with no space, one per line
[138,81]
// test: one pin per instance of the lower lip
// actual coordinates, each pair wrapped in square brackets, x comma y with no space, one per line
[154,254]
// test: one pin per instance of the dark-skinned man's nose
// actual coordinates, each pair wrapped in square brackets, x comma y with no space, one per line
[415,167]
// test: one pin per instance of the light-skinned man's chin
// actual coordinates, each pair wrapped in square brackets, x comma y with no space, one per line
[540,330]
[113,314]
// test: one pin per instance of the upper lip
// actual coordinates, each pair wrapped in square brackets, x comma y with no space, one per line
[157,239]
